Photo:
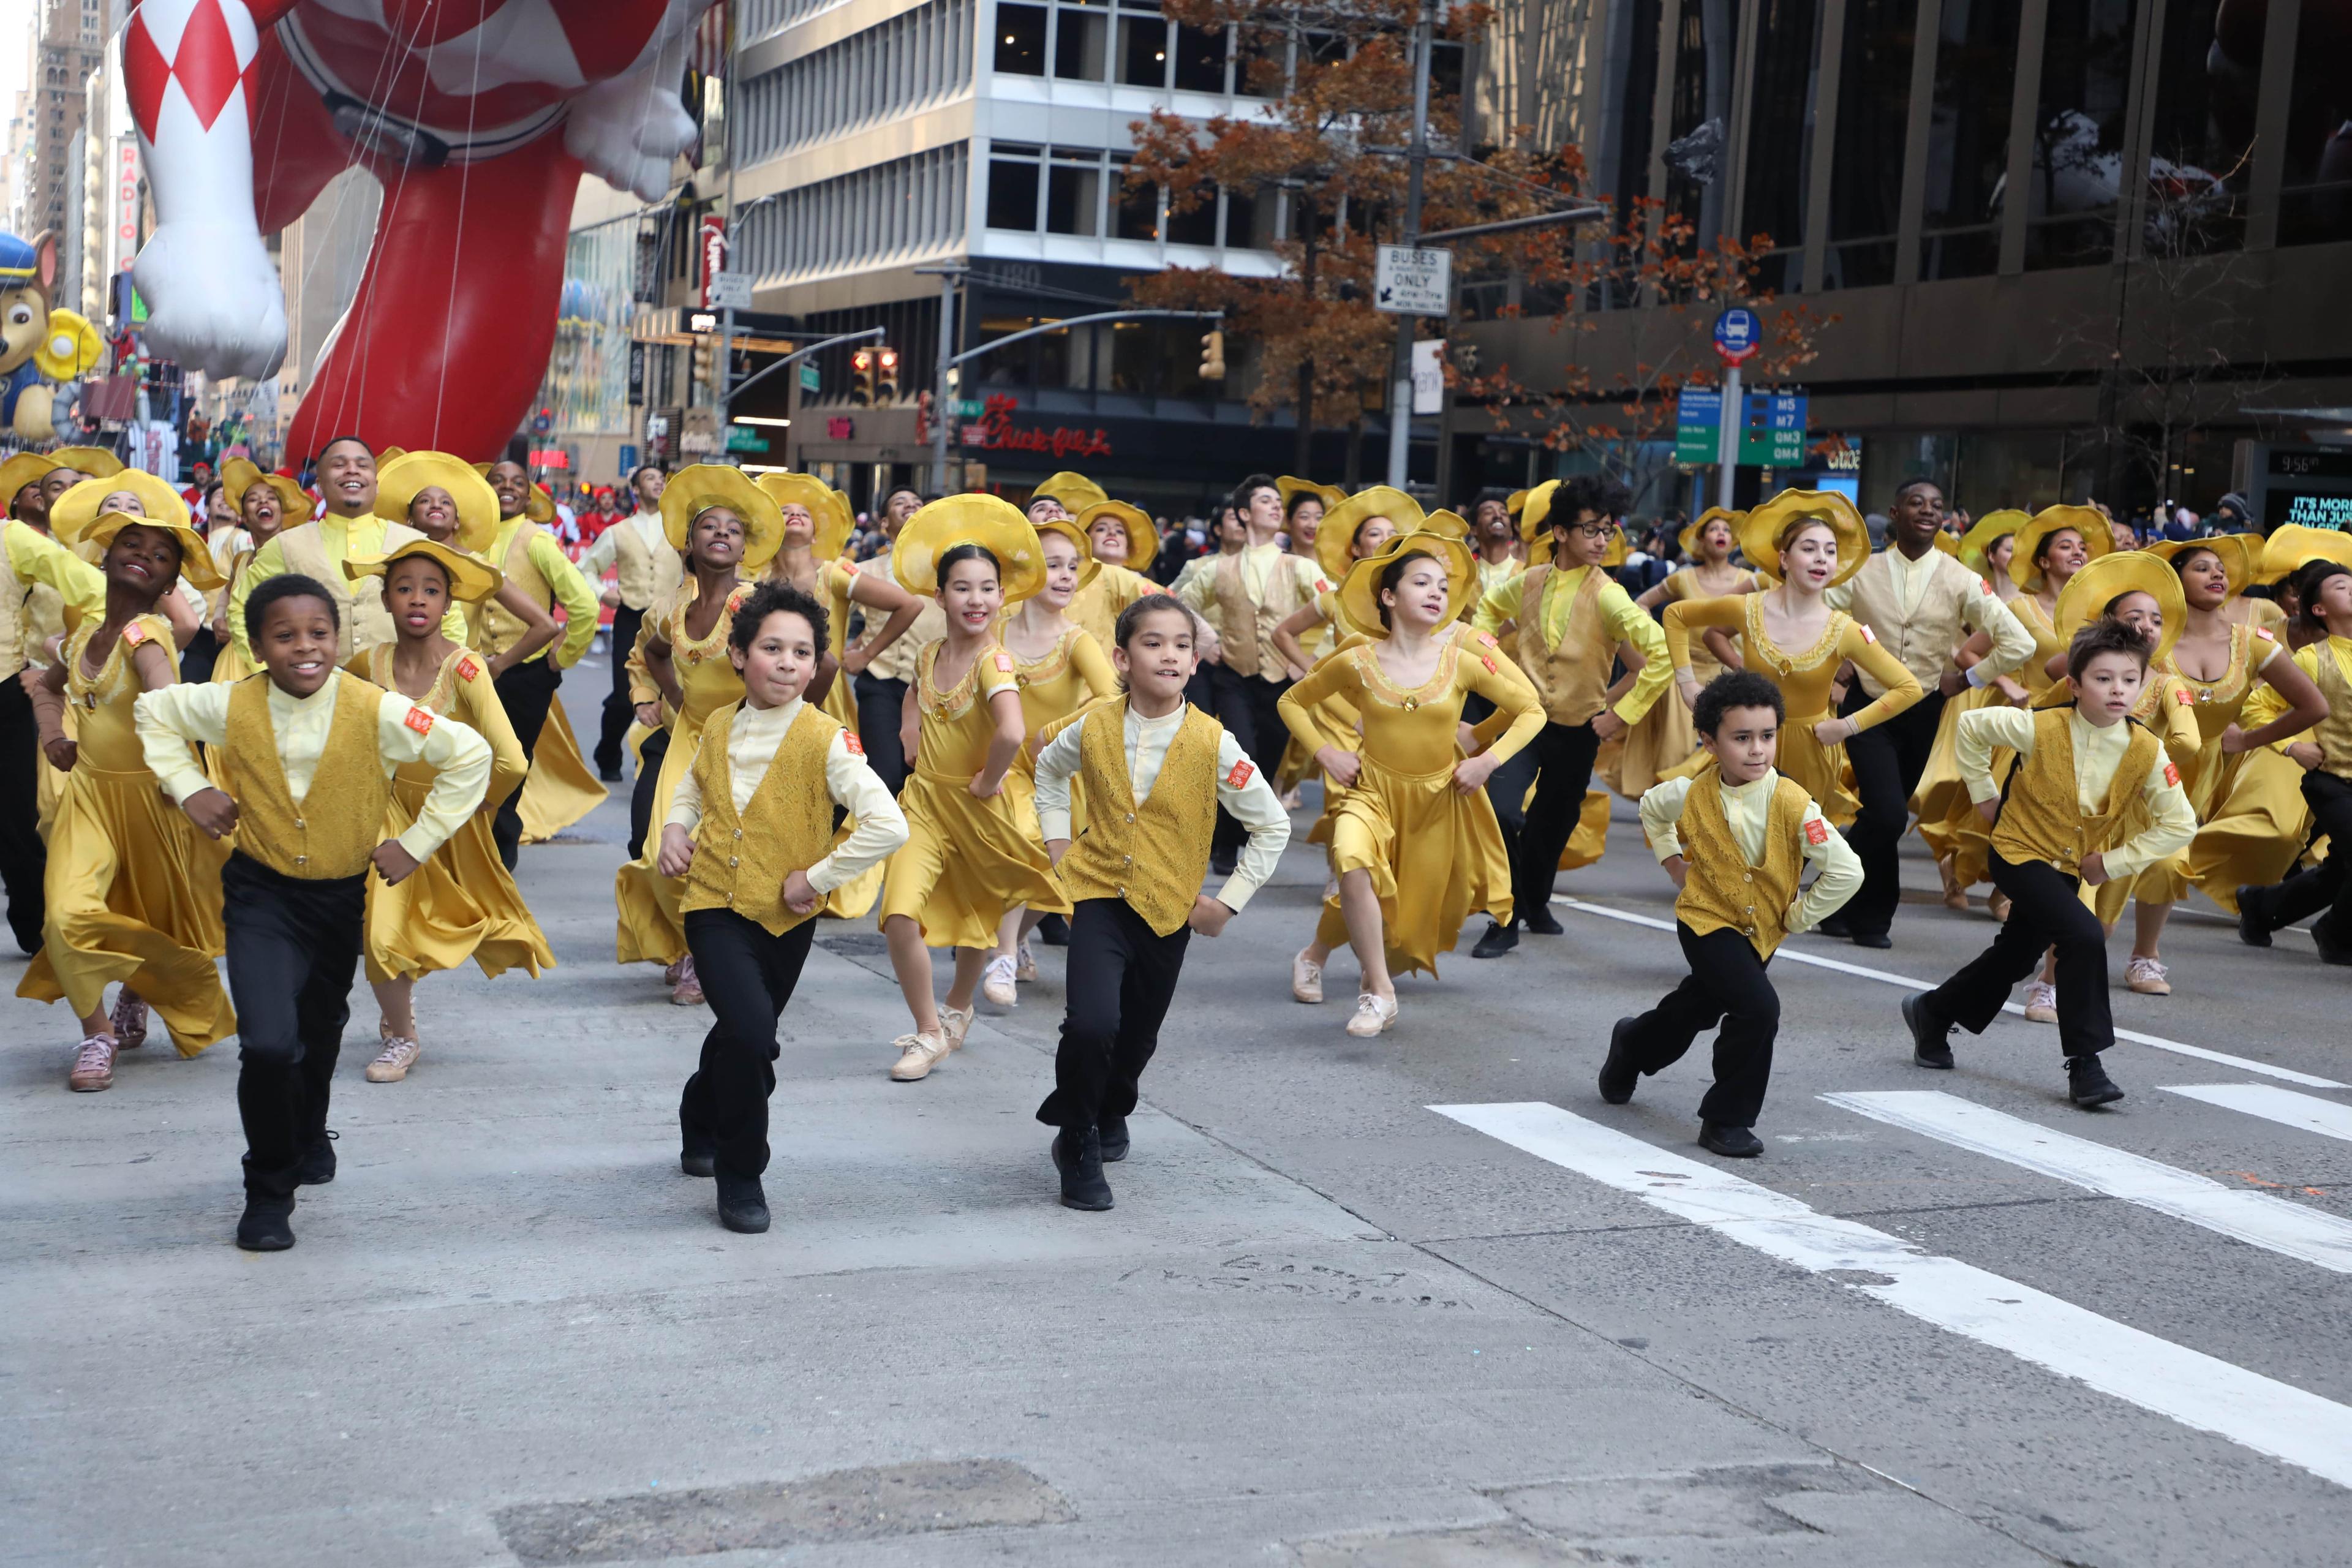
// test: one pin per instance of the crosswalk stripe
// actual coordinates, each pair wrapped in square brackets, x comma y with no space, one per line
[1792,955]
[2256,1218]
[2170,1380]
[2329,1118]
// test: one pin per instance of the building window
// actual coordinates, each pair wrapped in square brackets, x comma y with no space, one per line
[1633,113]
[1012,172]
[1074,194]
[916,59]
[1200,60]
[2315,192]
[1137,212]
[2201,149]
[1873,117]
[903,210]
[1967,139]
[1142,50]
[2079,135]
[1081,39]
[1780,138]
[1705,55]
[1086,195]
[1021,40]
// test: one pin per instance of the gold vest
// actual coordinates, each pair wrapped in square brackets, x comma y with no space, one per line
[1720,888]
[498,629]
[2041,809]
[1924,640]
[15,601]
[1572,680]
[2333,733]
[349,790]
[741,862]
[646,571]
[1247,627]
[1154,855]
[362,620]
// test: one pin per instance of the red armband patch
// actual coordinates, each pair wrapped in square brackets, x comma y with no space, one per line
[2264,633]
[2180,695]
[1244,771]
[1321,586]
[1488,660]
[2171,774]
[1488,638]
[1817,833]
[419,719]
[1867,634]
[851,565]
[133,635]
[467,669]
[856,746]
[1003,662]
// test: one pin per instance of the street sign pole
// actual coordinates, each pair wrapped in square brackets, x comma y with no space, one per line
[1401,378]
[1727,447]
[941,405]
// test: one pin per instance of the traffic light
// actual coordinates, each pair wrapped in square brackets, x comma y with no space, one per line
[1212,356]
[861,377]
[706,361]
[887,389]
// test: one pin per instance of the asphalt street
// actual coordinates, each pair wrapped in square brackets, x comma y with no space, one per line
[1415,1301]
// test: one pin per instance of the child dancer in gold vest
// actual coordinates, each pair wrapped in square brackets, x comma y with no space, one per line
[2325,594]
[1735,839]
[310,752]
[1154,772]
[2055,829]
[751,830]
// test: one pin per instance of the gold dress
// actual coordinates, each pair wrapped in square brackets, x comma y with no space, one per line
[1334,719]
[1071,674]
[562,788]
[1804,677]
[1947,819]
[1665,737]
[2249,807]
[462,902]
[649,929]
[1436,853]
[134,887]
[966,861]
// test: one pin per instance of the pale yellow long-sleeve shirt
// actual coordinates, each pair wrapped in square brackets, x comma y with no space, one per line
[752,742]
[2098,751]
[1747,809]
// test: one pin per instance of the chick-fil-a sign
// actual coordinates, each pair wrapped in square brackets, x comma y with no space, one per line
[994,431]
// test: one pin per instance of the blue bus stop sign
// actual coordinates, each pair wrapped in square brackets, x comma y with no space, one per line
[1737,335]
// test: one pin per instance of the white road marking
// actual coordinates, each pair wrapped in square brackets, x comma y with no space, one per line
[1793,955]
[2329,1118]
[2256,1218]
[2173,1381]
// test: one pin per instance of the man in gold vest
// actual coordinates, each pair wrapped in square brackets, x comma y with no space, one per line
[534,562]
[638,546]
[2056,823]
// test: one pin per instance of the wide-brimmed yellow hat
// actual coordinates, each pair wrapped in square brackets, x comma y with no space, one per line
[1142,536]
[696,488]
[23,469]
[1075,491]
[471,578]
[72,513]
[991,522]
[1451,523]
[1761,531]
[1088,567]
[386,454]
[829,515]
[1292,488]
[2241,555]
[1688,537]
[197,563]
[398,482]
[2098,539]
[2292,545]
[1335,539]
[240,475]
[2089,592]
[96,461]
[1984,533]
[1360,595]
[1532,507]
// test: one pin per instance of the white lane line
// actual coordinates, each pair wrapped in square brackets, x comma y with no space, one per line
[2329,1118]
[2256,1218]
[2173,1381]
[2156,1042]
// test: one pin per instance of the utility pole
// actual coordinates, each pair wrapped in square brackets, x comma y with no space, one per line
[1416,158]
[942,400]
[1727,451]
[725,365]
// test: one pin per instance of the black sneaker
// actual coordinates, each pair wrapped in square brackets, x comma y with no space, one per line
[697,1164]
[742,1206]
[1222,861]
[1542,921]
[609,775]
[1877,939]
[1078,1154]
[2330,950]
[1112,1130]
[1731,1142]
[1053,931]
[266,1226]
[1499,939]
[2252,929]
[1931,1038]
[318,1167]
[2087,1083]
[1618,1076]
[1835,925]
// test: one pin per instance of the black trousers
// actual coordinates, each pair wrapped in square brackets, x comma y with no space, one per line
[2046,911]
[1559,760]
[1120,978]
[23,859]
[1726,984]
[881,703]
[1887,762]
[197,659]
[641,792]
[2308,891]
[293,952]
[526,692]
[619,711]
[747,977]
[1252,710]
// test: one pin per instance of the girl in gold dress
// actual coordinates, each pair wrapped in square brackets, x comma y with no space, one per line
[1122,544]
[1804,541]
[1305,505]
[132,889]
[1059,669]
[1413,840]
[973,848]
[1666,739]
[430,492]
[1353,530]
[728,529]
[462,902]
[266,504]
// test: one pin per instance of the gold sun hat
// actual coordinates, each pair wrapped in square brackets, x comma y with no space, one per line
[471,578]
[386,454]
[198,566]
[1088,567]
[696,488]
[240,475]
[1142,536]
[22,469]
[398,483]
[2293,545]
[96,461]
[2098,534]
[1360,595]
[1335,537]
[1075,491]
[1453,524]
[72,513]
[2241,555]
[1984,533]
[1690,537]
[990,521]
[829,518]
[2101,582]
[1292,488]
[1763,530]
